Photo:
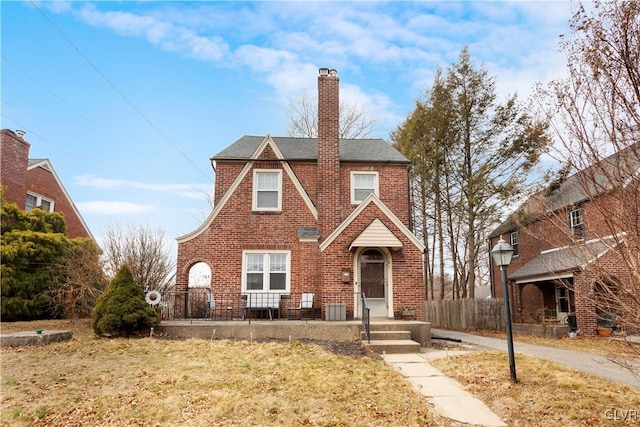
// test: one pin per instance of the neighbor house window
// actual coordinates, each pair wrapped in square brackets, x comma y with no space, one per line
[266,271]
[514,242]
[576,222]
[363,184]
[267,190]
[37,201]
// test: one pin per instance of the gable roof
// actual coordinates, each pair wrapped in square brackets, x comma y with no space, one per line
[372,199]
[46,165]
[351,150]
[612,172]
[376,234]
[266,141]
[552,263]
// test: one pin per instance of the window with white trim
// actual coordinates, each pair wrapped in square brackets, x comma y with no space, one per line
[363,184]
[266,271]
[37,201]
[514,242]
[267,190]
[576,222]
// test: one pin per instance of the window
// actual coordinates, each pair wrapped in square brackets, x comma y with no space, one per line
[514,242]
[266,271]
[363,184]
[576,222]
[36,201]
[267,190]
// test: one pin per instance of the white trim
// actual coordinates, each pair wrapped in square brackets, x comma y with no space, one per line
[372,198]
[376,185]
[46,165]
[254,191]
[388,260]
[234,186]
[39,199]
[265,253]
[545,278]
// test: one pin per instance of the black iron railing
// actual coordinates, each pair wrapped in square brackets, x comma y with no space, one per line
[200,303]
[366,318]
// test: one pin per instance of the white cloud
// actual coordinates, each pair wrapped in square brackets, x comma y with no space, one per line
[189,190]
[114,208]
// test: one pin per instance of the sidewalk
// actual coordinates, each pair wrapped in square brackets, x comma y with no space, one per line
[447,396]
[590,363]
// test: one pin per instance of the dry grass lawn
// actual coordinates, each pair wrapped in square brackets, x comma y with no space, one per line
[157,382]
[546,394]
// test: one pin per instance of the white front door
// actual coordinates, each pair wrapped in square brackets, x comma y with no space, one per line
[563,306]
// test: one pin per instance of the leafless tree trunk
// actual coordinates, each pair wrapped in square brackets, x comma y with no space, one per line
[355,121]
[144,252]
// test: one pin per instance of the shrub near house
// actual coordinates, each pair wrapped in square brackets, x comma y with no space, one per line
[122,309]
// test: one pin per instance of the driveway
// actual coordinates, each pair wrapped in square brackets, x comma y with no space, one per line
[590,363]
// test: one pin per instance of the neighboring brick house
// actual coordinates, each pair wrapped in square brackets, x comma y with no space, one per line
[322,215]
[569,242]
[31,183]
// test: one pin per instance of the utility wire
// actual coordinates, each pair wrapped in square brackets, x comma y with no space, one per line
[24,128]
[131,104]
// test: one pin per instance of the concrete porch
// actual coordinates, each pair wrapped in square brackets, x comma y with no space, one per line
[349,330]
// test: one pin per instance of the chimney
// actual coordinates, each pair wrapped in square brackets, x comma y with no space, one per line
[329,200]
[14,160]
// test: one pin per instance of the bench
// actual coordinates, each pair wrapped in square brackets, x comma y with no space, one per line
[261,302]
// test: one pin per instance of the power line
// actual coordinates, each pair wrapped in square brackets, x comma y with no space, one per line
[126,99]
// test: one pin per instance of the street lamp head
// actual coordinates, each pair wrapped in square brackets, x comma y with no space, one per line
[502,253]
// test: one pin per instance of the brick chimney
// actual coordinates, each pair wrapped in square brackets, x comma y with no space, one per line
[329,200]
[14,160]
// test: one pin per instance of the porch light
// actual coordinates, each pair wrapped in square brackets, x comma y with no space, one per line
[502,253]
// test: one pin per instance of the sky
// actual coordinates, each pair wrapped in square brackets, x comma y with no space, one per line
[129,100]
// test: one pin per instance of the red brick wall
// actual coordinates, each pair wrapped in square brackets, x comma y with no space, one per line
[329,195]
[14,159]
[42,182]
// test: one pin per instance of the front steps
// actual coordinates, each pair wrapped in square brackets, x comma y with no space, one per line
[390,342]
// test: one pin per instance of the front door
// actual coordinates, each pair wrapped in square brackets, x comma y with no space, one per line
[563,304]
[373,281]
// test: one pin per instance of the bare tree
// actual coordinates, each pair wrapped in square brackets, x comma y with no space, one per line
[144,252]
[78,280]
[302,113]
[595,112]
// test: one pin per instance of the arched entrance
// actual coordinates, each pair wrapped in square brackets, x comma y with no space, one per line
[373,278]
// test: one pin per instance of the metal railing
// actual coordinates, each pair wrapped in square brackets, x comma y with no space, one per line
[366,318]
[200,303]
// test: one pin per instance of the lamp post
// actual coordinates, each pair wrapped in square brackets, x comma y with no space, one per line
[502,253]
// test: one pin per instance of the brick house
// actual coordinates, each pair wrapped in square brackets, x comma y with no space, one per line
[321,215]
[31,183]
[569,244]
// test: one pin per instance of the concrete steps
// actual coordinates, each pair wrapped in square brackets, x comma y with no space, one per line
[390,342]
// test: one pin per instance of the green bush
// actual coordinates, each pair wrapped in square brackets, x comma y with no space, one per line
[122,309]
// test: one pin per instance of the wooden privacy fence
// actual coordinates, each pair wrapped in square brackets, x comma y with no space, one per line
[466,313]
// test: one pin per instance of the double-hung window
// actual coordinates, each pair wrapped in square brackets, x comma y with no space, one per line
[514,242]
[576,222]
[267,190]
[37,201]
[266,271]
[363,184]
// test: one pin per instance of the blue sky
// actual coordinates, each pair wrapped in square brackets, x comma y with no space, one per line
[129,100]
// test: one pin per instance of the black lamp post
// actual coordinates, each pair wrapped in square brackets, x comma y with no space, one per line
[502,253]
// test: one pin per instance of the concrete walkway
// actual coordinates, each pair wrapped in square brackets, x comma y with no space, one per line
[447,396]
[589,363]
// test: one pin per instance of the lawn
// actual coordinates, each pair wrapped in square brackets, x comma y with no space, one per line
[158,382]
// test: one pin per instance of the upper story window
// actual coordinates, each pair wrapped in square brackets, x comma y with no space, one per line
[576,222]
[513,237]
[267,190]
[363,184]
[37,201]
[266,271]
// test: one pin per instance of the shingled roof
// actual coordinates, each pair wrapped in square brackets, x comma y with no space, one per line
[614,171]
[351,150]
